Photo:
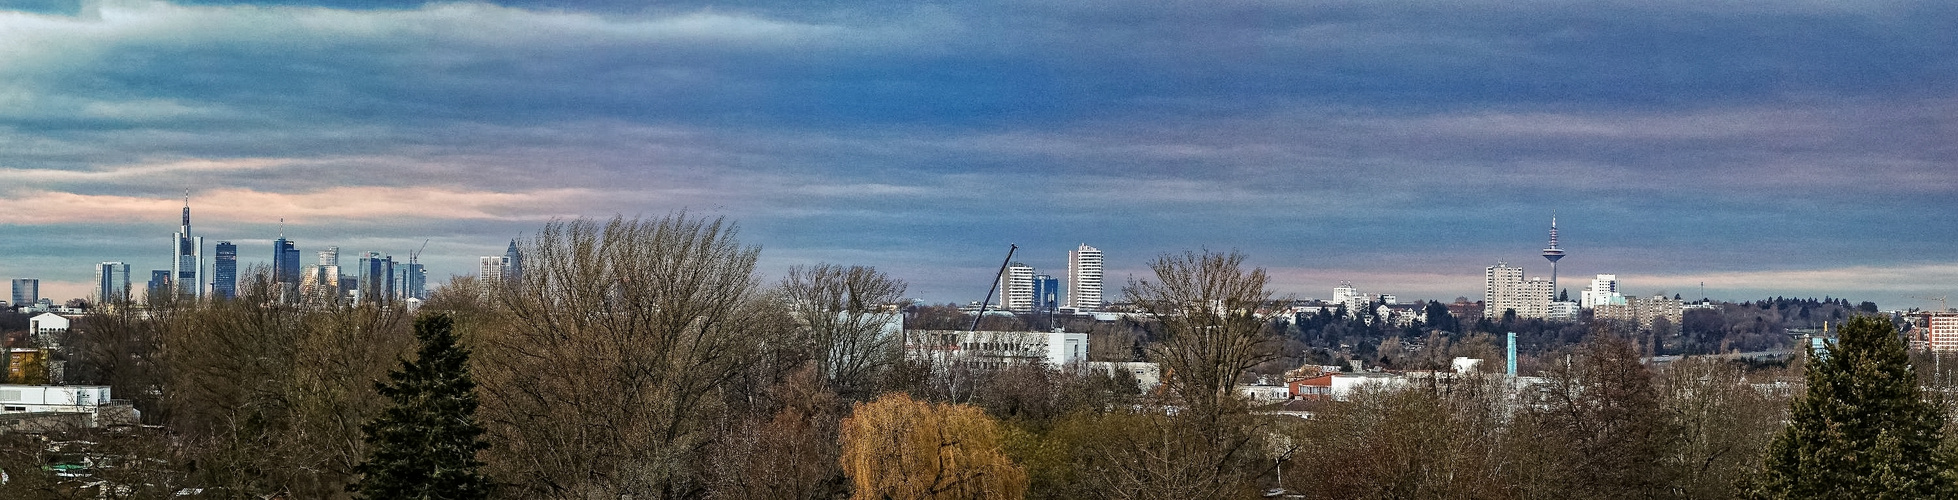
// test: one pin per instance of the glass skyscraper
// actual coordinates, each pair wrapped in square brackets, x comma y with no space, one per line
[27,291]
[112,283]
[224,271]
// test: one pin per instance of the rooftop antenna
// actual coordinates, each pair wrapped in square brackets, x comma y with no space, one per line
[995,286]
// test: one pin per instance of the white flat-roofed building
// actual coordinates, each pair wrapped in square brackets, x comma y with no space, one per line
[34,408]
[994,349]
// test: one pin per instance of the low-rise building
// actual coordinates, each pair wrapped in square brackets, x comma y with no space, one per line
[996,349]
[40,408]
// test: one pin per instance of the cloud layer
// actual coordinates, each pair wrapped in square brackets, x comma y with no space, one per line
[1784,149]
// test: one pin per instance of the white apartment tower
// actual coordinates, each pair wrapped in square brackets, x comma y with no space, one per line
[1016,288]
[1504,288]
[1084,278]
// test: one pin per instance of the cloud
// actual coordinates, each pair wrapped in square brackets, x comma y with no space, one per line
[350,203]
[1403,140]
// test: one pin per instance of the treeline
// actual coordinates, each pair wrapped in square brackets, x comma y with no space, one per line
[647,359]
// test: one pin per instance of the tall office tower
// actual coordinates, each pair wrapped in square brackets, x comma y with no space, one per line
[1502,290]
[1553,254]
[158,287]
[1046,293]
[414,281]
[376,278]
[492,269]
[513,269]
[321,282]
[112,283]
[187,267]
[285,261]
[224,271]
[27,291]
[1084,278]
[1603,291]
[1016,288]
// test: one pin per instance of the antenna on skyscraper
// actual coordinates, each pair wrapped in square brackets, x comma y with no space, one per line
[995,285]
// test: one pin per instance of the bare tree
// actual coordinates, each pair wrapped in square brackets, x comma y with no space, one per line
[1205,303]
[602,370]
[847,323]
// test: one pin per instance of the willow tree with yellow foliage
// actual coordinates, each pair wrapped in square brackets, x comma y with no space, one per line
[898,447]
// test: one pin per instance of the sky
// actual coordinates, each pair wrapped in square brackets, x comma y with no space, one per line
[1791,148]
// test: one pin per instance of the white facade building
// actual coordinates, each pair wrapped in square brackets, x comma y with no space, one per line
[1504,289]
[1084,279]
[995,349]
[1016,288]
[1603,291]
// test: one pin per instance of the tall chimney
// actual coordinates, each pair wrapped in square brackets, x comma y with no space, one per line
[1512,355]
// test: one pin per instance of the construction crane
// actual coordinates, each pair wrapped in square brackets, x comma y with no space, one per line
[1939,298]
[413,257]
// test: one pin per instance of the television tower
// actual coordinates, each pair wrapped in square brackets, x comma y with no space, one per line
[1553,254]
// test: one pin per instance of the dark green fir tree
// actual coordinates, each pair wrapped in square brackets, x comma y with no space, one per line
[1862,428]
[424,446]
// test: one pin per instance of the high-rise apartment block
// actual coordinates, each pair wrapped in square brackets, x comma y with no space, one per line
[27,291]
[112,283]
[1643,312]
[1940,330]
[1016,288]
[1504,290]
[224,271]
[1084,278]
[187,264]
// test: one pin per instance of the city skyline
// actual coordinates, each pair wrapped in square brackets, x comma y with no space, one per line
[1790,149]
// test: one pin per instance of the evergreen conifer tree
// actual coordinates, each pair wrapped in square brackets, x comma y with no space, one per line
[425,445]
[1862,429]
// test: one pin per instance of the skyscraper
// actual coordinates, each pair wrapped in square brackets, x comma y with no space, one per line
[224,271]
[513,269]
[112,283]
[1016,288]
[1084,277]
[376,278]
[285,261]
[187,266]
[492,269]
[321,283]
[27,291]
[1046,293]
[414,281]
[159,286]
